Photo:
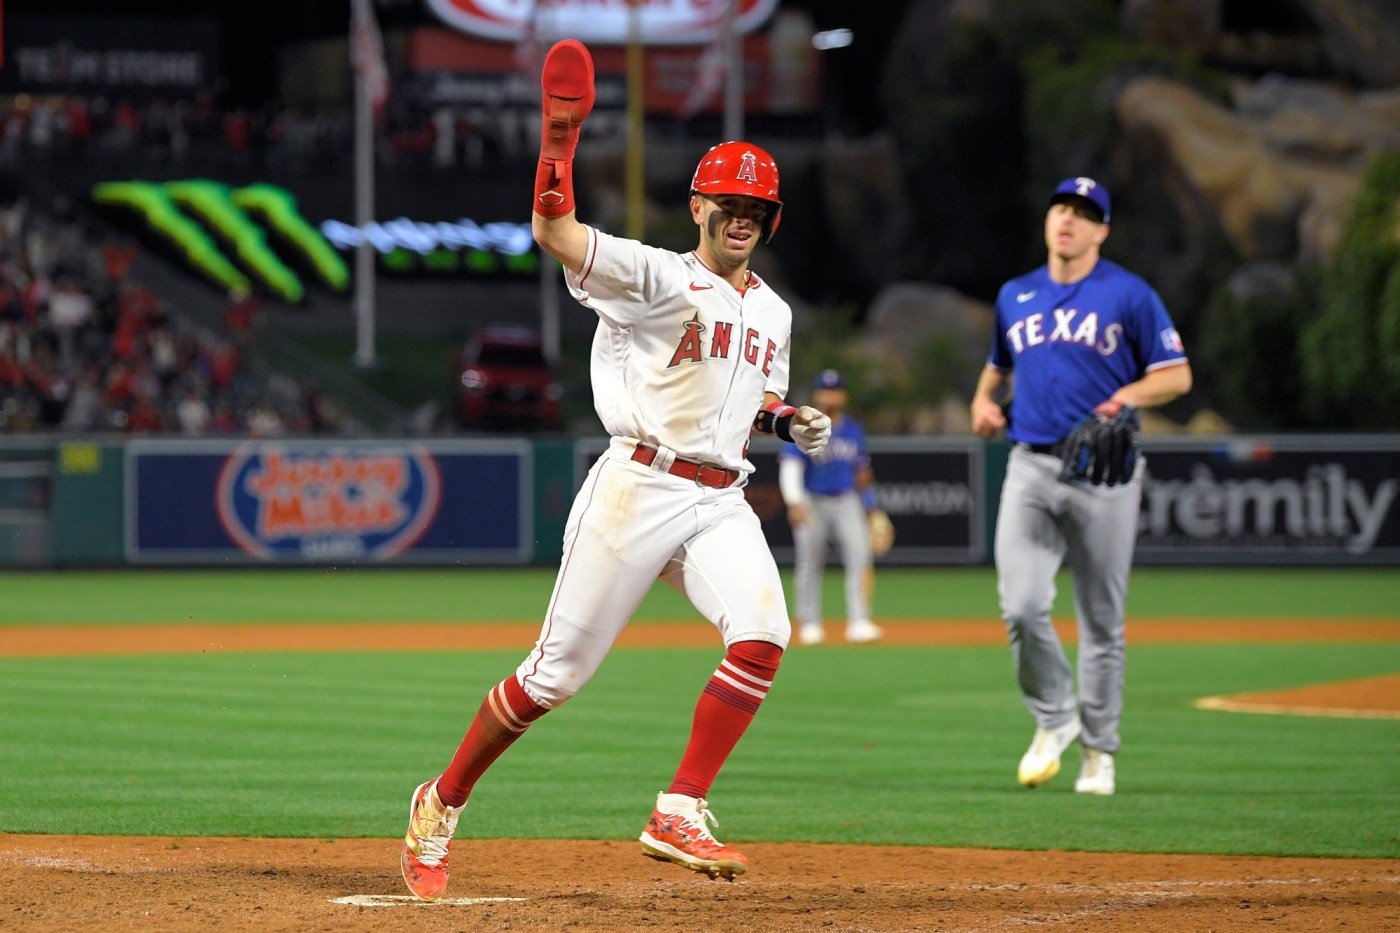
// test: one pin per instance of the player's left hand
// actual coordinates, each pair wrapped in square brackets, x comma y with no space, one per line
[810,430]
[1102,449]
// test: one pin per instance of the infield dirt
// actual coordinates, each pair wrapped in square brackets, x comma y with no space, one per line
[68,882]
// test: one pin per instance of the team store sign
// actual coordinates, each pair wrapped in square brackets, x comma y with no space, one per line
[606,22]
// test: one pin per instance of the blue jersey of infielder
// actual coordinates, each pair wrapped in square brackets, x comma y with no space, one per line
[834,469]
[1073,346]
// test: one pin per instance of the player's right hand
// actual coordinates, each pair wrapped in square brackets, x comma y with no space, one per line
[988,420]
[567,99]
[797,515]
[810,430]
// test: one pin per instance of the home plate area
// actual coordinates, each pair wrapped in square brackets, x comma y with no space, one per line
[408,900]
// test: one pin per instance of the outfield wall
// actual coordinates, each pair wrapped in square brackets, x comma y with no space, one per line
[1324,499]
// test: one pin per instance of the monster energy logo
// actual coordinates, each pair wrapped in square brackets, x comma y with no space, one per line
[229,212]
[221,232]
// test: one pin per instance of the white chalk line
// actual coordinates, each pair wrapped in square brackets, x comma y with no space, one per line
[1135,894]
[1153,887]
[408,900]
[76,864]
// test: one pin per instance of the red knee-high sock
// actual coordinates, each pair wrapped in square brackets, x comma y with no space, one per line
[503,717]
[726,708]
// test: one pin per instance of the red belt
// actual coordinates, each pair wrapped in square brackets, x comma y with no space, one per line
[701,474]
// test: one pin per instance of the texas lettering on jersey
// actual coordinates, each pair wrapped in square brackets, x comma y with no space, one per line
[1068,325]
[693,349]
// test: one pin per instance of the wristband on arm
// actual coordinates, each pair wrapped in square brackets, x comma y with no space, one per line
[775,419]
[867,499]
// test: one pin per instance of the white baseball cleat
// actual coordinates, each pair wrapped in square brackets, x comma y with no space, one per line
[1095,773]
[1041,761]
[861,631]
[811,633]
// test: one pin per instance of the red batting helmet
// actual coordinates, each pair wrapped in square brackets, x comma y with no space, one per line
[741,168]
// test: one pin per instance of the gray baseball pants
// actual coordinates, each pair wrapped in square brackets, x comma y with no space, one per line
[845,515]
[1042,523]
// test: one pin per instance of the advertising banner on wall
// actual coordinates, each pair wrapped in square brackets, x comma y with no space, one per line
[1271,500]
[782,74]
[932,489]
[110,55]
[599,21]
[312,502]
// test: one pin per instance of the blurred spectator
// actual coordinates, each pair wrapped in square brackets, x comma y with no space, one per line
[193,411]
[84,347]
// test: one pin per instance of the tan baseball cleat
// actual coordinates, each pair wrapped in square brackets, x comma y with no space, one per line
[425,845]
[1041,761]
[1095,773]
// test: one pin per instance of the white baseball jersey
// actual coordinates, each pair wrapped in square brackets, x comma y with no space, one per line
[681,358]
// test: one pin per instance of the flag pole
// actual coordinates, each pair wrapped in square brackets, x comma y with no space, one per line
[733,73]
[364,203]
[636,159]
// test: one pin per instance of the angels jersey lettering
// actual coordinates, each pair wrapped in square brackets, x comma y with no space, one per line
[681,358]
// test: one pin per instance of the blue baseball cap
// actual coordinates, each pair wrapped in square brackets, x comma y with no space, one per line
[1087,189]
[829,379]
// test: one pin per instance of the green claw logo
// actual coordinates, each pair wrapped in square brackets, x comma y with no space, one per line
[230,213]
[186,213]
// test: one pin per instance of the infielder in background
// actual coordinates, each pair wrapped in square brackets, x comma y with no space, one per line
[831,493]
[689,357]
[1088,342]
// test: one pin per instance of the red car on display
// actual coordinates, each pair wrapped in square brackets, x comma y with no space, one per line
[506,383]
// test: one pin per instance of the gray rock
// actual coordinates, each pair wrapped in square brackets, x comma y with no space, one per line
[1362,37]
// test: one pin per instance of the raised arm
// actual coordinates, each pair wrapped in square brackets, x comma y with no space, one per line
[567,99]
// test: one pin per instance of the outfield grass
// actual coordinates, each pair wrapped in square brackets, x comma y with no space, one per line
[877,745]
[871,744]
[374,595]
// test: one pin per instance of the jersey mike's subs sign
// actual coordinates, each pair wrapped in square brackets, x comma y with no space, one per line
[324,502]
[663,22]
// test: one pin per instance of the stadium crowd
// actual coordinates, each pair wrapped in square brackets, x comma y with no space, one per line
[85,347]
[293,139]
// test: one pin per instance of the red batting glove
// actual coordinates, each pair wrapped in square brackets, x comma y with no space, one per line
[567,99]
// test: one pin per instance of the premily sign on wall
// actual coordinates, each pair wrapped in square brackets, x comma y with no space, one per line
[328,502]
[1304,499]
[663,22]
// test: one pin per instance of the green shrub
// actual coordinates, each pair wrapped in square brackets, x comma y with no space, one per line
[1351,348]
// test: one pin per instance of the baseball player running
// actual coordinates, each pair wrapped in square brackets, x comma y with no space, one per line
[690,355]
[1088,342]
[831,493]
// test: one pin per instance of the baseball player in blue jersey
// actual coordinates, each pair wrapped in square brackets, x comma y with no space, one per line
[831,493]
[1088,342]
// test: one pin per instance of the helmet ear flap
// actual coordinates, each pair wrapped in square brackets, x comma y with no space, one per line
[771,221]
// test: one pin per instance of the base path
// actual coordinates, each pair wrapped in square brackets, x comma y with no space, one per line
[195,637]
[119,883]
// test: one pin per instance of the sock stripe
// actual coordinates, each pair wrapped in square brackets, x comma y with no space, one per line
[736,700]
[740,672]
[744,688]
[500,705]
